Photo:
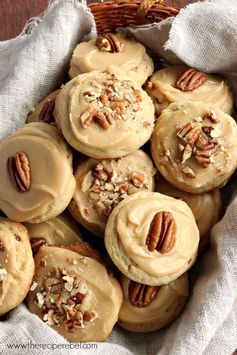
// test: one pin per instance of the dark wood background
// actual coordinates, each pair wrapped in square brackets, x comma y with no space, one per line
[15,13]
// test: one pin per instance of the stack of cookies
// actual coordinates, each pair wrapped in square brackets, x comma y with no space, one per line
[79,170]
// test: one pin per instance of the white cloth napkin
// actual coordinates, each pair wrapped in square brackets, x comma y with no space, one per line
[203,35]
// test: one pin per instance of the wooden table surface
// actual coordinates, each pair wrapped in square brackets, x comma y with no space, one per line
[15,13]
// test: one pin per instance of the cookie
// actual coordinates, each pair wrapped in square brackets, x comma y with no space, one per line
[181,83]
[32,186]
[101,185]
[104,115]
[194,146]
[74,294]
[152,238]
[16,264]
[206,207]
[112,50]
[148,308]
[60,230]
[43,111]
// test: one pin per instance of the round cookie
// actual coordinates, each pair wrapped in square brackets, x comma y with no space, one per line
[181,83]
[60,230]
[98,54]
[16,264]
[152,238]
[101,185]
[104,115]
[43,111]
[148,308]
[75,295]
[194,146]
[32,186]
[206,207]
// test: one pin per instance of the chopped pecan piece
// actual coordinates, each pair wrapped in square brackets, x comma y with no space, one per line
[19,171]
[189,172]
[190,79]
[2,247]
[161,236]
[189,133]
[37,243]
[141,295]
[137,179]
[109,43]
[211,116]
[203,158]
[99,172]
[88,316]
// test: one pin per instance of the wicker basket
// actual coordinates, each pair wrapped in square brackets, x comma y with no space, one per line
[121,13]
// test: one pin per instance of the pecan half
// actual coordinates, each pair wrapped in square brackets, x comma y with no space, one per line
[190,79]
[19,171]
[46,113]
[161,236]
[141,295]
[109,43]
[36,243]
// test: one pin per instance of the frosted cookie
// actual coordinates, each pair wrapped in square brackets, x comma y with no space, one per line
[36,180]
[194,146]
[104,115]
[180,83]
[60,230]
[101,185]
[74,294]
[16,264]
[206,207]
[43,111]
[148,308]
[152,238]
[112,50]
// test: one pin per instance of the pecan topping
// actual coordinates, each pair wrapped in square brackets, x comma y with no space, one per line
[2,247]
[88,316]
[19,171]
[190,79]
[46,113]
[109,185]
[36,243]
[109,101]
[109,43]
[137,179]
[161,236]
[61,300]
[99,172]
[200,141]
[141,295]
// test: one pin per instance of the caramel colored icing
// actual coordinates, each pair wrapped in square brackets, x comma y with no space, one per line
[127,231]
[205,207]
[58,230]
[133,60]
[165,307]
[185,171]
[101,185]
[48,157]
[16,264]
[214,90]
[88,298]
[90,101]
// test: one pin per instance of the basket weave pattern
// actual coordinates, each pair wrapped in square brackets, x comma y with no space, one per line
[123,13]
